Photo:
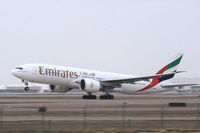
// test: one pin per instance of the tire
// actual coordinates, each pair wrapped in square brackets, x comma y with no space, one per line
[83,97]
[111,97]
[107,97]
[89,97]
[94,97]
[102,97]
[26,89]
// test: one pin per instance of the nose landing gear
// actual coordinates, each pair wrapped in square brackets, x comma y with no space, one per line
[26,83]
[26,88]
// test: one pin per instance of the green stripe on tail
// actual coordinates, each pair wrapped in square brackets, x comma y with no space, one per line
[174,63]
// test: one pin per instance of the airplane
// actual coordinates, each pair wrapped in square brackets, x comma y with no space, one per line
[63,79]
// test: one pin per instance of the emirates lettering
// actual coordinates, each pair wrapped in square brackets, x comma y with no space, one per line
[57,73]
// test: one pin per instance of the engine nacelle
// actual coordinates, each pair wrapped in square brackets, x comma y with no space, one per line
[57,88]
[90,85]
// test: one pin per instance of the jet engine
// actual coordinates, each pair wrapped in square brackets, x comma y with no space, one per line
[90,85]
[57,88]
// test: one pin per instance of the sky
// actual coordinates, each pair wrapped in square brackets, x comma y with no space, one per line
[136,37]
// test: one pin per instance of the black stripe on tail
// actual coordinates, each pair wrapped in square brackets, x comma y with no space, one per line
[163,78]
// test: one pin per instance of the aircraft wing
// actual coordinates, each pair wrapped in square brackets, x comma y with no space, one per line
[177,85]
[133,80]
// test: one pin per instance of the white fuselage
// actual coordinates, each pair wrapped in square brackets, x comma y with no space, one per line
[67,76]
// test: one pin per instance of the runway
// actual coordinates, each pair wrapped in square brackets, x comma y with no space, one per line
[70,112]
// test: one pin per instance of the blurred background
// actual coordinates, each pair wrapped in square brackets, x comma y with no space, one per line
[136,37]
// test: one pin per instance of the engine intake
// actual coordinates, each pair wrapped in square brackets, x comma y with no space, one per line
[90,85]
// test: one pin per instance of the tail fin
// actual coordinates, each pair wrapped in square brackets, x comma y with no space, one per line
[170,68]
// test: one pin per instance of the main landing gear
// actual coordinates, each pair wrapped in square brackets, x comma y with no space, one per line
[105,97]
[26,83]
[89,96]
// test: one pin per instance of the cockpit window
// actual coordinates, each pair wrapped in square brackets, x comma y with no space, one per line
[19,68]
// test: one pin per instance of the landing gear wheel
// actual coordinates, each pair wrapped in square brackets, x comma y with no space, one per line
[107,97]
[26,83]
[26,89]
[89,97]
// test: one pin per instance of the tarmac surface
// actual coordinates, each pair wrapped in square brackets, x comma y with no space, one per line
[70,112]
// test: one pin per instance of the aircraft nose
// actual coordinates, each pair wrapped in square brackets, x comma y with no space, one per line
[14,72]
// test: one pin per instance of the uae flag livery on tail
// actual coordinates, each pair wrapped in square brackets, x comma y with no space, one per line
[170,68]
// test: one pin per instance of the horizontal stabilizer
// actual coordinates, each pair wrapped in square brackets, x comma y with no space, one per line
[178,85]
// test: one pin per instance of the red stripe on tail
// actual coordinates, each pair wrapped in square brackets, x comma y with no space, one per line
[155,81]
